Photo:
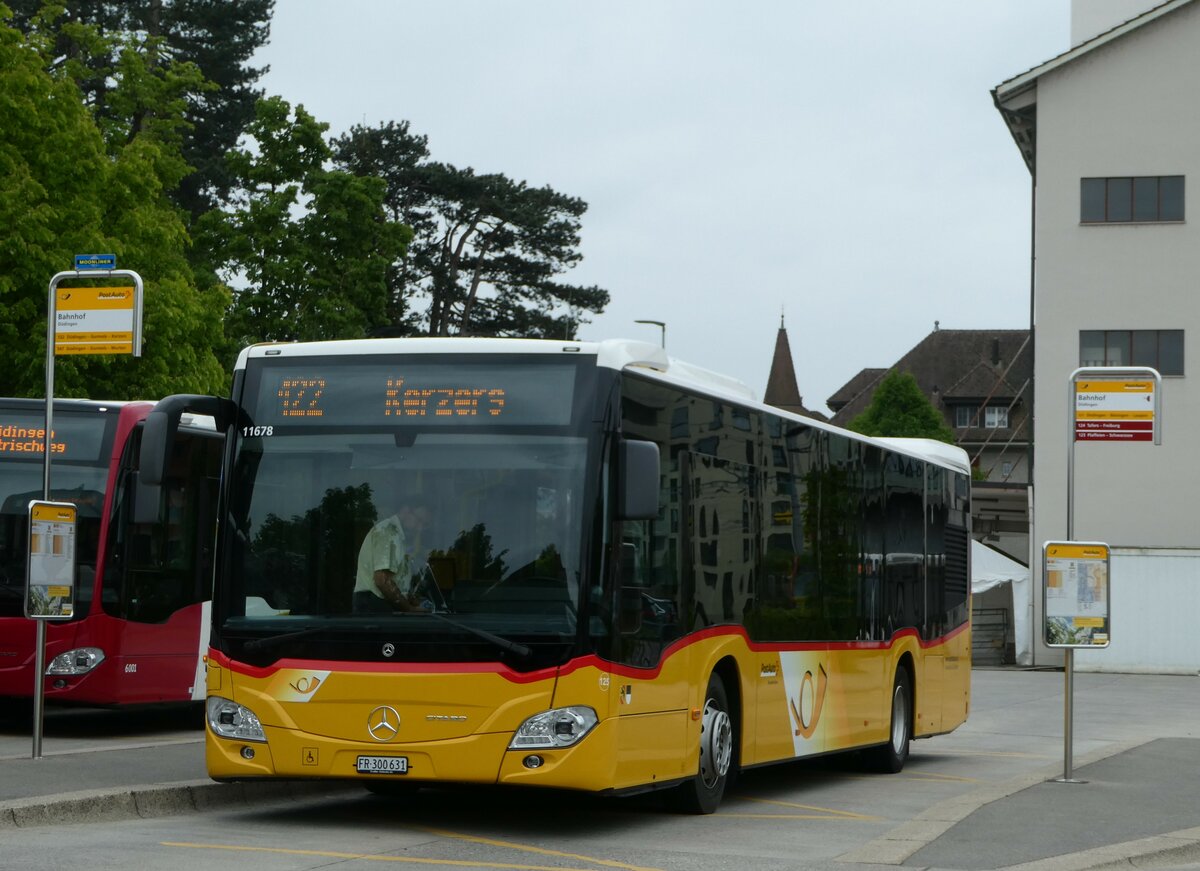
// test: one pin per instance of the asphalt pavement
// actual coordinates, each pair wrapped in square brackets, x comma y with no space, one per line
[1132,800]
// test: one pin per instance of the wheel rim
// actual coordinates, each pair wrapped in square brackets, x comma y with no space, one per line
[716,744]
[899,720]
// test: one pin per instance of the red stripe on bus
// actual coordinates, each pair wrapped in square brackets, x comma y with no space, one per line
[589,661]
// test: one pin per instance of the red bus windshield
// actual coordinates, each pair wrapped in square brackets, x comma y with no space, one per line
[81,448]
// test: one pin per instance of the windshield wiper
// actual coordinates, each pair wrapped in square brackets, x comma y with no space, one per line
[275,640]
[503,643]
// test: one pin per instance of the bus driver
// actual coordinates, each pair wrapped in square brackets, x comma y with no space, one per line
[388,563]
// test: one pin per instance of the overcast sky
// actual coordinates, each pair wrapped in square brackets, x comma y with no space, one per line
[840,163]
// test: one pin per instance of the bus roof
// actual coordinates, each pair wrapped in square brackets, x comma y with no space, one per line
[70,404]
[616,354]
[612,354]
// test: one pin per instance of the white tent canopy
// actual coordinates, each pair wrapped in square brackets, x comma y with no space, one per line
[990,568]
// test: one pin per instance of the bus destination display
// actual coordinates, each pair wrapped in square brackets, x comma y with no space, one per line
[355,395]
[302,397]
[23,436]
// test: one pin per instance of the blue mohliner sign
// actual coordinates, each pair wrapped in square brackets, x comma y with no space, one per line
[84,262]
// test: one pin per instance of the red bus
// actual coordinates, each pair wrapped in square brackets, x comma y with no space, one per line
[143,572]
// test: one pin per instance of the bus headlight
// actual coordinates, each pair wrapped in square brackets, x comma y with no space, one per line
[559,727]
[78,661]
[231,720]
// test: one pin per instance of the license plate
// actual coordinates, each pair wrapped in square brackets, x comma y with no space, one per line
[382,765]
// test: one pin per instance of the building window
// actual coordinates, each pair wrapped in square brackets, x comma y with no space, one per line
[993,417]
[1006,469]
[1129,199]
[1159,349]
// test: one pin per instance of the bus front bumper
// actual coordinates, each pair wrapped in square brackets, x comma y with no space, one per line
[473,759]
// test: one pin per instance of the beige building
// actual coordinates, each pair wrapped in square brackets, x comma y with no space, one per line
[1110,134]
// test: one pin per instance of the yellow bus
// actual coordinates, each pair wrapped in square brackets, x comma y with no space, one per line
[615,572]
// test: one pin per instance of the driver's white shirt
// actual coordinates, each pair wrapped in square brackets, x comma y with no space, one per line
[384,549]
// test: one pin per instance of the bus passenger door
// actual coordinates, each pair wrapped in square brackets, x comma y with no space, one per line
[651,712]
[158,579]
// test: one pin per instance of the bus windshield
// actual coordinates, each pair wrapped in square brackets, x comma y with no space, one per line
[378,494]
[81,447]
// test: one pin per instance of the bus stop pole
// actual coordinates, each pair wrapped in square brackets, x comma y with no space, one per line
[39,659]
[1069,653]
[39,681]
[39,692]
[1068,713]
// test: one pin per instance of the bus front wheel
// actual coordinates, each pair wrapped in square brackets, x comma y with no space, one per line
[890,758]
[703,793]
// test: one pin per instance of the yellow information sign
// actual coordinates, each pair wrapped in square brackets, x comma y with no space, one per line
[94,320]
[50,573]
[1076,593]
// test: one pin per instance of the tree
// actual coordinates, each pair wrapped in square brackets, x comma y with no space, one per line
[390,152]
[486,250]
[310,248]
[215,37]
[63,191]
[899,409]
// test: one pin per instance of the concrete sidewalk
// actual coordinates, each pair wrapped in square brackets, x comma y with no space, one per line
[1136,761]
[1126,806]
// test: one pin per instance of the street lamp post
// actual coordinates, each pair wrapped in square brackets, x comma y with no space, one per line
[661,326]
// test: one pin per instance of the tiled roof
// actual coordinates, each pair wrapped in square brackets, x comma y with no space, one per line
[852,388]
[980,382]
[951,365]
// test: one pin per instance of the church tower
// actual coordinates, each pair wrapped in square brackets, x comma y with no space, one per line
[782,388]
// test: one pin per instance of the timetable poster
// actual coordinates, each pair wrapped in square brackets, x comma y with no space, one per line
[50,574]
[1076,594]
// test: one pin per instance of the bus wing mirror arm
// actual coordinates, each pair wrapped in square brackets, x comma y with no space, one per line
[639,471]
[162,422]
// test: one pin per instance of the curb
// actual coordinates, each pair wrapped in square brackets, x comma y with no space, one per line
[153,800]
[898,845]
[1170,849]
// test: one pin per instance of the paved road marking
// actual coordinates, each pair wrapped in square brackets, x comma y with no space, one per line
[821,813]
[414,860]
[492,842]
[934,776]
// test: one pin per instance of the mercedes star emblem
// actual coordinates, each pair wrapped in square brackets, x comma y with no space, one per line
[389,649]
[383,723]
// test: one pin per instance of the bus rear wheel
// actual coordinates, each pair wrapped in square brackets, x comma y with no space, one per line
[890,757]
[703,793]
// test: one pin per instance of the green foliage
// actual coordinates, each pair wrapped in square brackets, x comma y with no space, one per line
[900,410]
[132,127]
[86,40]
[486,250]
[311,248]
[63,191]
[475,547]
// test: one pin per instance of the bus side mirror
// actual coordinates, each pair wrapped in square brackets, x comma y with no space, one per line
[639,471]
[158,432]
[146,499]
